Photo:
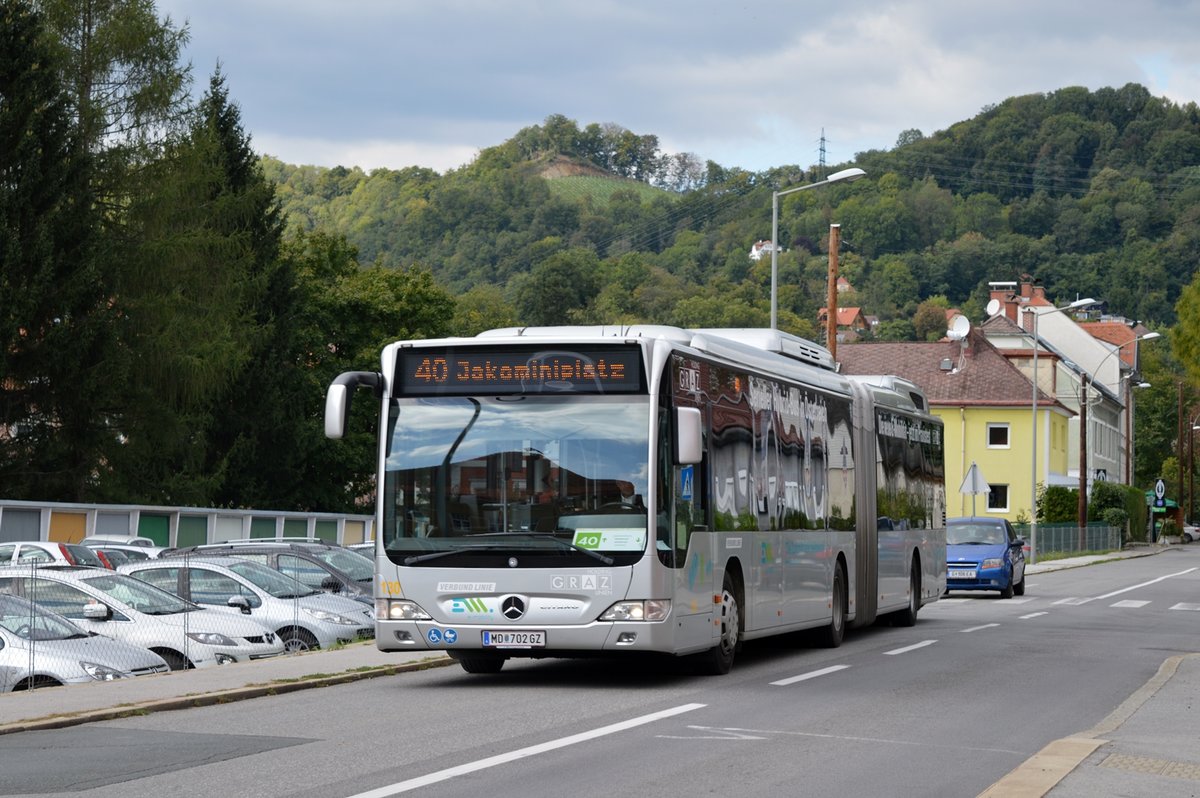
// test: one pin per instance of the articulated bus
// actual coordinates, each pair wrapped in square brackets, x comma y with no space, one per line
[585,491]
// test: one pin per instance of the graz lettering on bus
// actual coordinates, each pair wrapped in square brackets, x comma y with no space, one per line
[471,370]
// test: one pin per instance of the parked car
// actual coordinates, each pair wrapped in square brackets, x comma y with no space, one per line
[20,552]
[41,649]
[322,566]
[117,605]
[1190,533]
[124,540]
[984,554]
[130,550]
[302,617]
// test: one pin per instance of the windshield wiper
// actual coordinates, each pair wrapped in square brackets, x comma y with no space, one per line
[550,536]
[417,558]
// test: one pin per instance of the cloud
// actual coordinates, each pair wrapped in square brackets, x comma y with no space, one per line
[750,85]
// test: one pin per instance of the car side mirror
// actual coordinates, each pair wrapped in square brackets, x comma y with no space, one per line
[241,603]
[1019,542]
[97,612]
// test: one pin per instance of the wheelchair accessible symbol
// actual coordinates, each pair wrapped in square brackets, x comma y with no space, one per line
[439,636]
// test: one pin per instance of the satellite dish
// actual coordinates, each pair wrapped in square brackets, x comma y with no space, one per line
[959,328]
[993,307]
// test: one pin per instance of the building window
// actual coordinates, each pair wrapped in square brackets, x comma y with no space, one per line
[997,436]
[998,498]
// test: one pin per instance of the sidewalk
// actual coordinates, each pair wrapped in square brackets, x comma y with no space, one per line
[1146,747]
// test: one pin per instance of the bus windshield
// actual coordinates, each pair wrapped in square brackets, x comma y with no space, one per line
[557,475]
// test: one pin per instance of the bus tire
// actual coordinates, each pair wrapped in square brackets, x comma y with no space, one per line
[718,660]
[480,663]
[908,615]
[831,636]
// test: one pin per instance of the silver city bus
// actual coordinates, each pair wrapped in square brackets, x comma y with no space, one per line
[574,491]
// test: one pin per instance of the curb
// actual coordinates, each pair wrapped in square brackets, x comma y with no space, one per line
[276,687]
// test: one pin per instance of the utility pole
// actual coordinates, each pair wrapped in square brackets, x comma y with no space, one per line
[1083,464]
[831,319]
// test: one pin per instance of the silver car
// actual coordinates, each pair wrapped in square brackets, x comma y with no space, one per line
[41,649]
[119,606]
[304,618]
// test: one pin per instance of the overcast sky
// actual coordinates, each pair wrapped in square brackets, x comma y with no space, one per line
[396,83]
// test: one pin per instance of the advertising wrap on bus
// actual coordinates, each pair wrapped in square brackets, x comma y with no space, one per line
[576,492]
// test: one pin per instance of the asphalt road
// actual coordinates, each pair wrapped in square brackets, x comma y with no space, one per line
[945,708]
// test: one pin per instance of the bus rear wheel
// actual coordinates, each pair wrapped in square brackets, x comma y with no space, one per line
[831,636]
[718,660]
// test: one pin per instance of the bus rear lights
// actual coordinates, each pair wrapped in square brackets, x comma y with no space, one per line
[649,610]
[400,610]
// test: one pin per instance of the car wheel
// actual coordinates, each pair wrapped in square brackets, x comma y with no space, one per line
[1006,592]
[175,661]
[1019,587]
[296,640]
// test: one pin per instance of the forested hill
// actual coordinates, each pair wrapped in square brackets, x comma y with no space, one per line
[1092,193]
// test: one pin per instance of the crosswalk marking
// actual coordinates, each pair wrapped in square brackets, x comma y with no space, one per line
[1130,603]
[1033,615]
[1184,606]
[1073,601]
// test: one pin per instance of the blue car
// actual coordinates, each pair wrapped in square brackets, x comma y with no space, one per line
[984,554]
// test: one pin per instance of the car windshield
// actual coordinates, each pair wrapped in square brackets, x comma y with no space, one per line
[141,596]
[25,619]
[273,582]
[462,472]
[975,534]
[355,565]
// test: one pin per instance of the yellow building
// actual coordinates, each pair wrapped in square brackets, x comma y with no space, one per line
[985,403]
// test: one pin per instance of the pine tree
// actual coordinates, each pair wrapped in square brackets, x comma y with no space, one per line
[55,383]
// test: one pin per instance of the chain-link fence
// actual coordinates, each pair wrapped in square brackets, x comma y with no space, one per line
[63,625]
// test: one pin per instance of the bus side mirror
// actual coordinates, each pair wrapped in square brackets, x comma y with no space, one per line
[337,399]
[688,440]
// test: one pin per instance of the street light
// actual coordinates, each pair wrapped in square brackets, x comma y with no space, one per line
[1078,303]
[846,175]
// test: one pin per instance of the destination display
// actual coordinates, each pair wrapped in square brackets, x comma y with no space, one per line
[459,371]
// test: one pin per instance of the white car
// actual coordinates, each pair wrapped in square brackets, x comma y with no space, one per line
[1190,534]
[46,552]
[302,617]
[40,649]
[119,606]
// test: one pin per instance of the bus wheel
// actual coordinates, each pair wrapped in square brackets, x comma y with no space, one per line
[831,635]
[908,615]
[480,663]
[719,659]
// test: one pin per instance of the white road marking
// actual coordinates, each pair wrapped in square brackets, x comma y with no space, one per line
[1073,601]
[1022,600]
[1183,606]
[812,675]
[907,649]
[977,628]
[533,750]
[1143,584]
[1033,615]
[1130,603]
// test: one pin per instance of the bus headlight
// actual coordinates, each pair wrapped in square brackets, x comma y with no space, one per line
[649,610]
[400,610]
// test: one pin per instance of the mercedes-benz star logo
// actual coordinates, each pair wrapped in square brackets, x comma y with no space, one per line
[513,607]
